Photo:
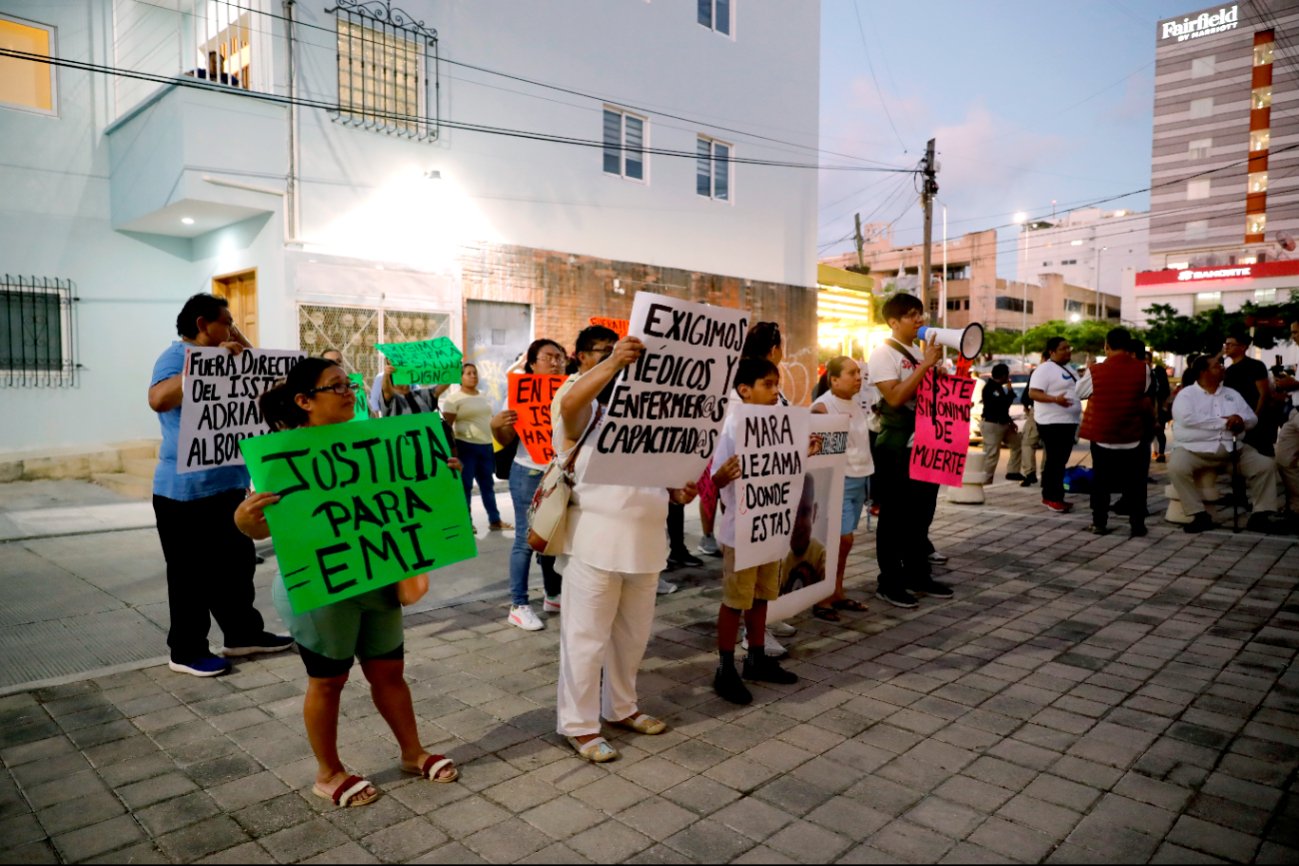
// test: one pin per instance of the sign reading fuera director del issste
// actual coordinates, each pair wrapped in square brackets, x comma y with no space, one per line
[219,405]
[362,505]
[666,410]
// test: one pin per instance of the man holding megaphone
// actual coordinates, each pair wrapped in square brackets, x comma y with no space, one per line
[902,545]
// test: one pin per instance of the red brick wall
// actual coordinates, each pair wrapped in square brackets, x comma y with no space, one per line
[566,290]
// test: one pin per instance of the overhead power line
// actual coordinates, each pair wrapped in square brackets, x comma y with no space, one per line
[398,117]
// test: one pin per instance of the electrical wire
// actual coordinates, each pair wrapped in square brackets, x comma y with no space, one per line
[397,117]
[861,31]
[298,22]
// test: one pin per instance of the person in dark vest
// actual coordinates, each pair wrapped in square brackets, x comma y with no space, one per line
[1116,424]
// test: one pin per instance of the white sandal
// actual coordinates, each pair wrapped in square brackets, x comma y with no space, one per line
[597,751]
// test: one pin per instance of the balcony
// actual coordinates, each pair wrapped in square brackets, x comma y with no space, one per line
[193,159]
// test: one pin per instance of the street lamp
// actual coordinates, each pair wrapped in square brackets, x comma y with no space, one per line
[1021,220]
[1100,315]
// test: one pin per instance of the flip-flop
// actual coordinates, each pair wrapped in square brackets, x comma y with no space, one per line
[849,604]
[431,766]
[829,614]
[350,792]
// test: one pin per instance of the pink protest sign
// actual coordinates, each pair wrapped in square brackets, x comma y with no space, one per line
[942,429]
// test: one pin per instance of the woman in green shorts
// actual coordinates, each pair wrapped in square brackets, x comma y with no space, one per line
[367,627]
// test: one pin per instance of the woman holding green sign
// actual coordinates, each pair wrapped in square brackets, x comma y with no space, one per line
[368,627]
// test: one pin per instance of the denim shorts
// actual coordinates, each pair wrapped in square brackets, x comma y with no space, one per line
[854,501]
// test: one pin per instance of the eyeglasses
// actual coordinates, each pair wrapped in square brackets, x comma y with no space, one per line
[555,357]
[342,389]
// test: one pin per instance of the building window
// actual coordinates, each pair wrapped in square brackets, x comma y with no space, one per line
[1255,223]
[1263,54]
[713,168]
[1199,148]
[1014,305]
[224,46]
[27,84]
[1259,139]
[1046,264]
[1202,67]
[1205,301]
[1258,181]
[36,348]
[1068,261]
[383,69]
[1202,107]
[1265,296]
[624,144]
[1261,97]
[1198,188]
[1197,230]
[716,15]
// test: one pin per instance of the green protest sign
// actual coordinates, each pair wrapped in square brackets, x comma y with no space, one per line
[426,362]
[361,411]
[362,505]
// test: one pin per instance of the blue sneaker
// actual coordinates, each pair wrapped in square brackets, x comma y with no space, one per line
[262,643]
[207,666]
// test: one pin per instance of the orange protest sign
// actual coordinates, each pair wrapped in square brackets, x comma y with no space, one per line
[619,326]
[530,396]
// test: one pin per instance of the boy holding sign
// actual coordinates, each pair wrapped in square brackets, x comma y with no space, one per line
[745,592]
[907,506]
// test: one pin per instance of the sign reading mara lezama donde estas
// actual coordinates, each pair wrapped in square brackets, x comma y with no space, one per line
[1198,24]
[666,410]
[219,404]
[362,505]
[771,442]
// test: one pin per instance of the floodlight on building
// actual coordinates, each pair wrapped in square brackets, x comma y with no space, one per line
[187,221]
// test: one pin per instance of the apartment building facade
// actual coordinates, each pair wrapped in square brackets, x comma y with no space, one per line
[1224,210]
[356,172]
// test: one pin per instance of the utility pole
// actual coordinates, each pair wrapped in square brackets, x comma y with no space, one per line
[928,191]
[861,262]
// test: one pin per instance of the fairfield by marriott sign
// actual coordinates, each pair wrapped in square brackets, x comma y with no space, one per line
[1206,23]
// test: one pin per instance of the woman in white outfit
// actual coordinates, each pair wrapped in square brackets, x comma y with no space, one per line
[616,548]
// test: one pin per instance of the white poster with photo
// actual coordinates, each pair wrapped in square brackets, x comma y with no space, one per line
[811,562]
[666,410]
[772,444]
[219,402]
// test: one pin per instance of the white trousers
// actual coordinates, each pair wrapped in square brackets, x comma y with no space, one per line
[1258,471]
[608,617]
[1287,459]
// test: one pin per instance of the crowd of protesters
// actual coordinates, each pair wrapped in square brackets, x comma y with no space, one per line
[619,539]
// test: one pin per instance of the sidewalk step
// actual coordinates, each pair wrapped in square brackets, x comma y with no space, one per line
[139,467]
[127,485]
[138,448]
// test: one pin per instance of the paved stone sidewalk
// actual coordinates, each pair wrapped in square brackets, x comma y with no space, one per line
[1082,699]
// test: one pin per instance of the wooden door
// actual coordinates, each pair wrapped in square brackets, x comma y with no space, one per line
[241,291]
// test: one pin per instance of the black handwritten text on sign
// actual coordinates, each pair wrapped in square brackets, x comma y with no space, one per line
[219,402]
[772,444]
[666,409]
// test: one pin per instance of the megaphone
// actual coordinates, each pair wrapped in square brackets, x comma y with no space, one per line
[968,342]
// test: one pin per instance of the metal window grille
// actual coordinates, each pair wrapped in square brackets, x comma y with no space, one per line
[223,37]
[354,331]
[37,333]
[384,63]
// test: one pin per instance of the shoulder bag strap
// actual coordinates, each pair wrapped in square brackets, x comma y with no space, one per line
[571,463]
[903,349]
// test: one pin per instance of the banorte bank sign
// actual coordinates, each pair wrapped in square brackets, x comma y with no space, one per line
[1206,23]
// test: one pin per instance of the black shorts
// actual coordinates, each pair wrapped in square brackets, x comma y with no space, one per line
[323,667]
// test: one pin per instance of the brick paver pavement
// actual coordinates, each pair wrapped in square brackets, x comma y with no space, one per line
[1082,699]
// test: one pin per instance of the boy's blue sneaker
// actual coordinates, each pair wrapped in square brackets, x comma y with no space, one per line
[207,666]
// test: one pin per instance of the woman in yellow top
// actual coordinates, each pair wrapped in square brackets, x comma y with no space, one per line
[470,415]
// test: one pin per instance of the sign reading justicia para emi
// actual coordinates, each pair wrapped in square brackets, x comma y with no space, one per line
[1205,23]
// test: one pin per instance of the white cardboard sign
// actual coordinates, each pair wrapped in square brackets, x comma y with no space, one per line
[772,444]
[666,410]
[219,402]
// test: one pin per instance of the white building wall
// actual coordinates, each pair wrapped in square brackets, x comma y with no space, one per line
[364,198]
[1091,248]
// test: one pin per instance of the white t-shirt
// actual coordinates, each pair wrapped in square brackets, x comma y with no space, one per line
[611,526]
[1056,380]
[860,461]
[725,450]
[888,364]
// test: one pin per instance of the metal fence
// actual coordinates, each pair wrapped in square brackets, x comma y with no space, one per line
[37,333]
